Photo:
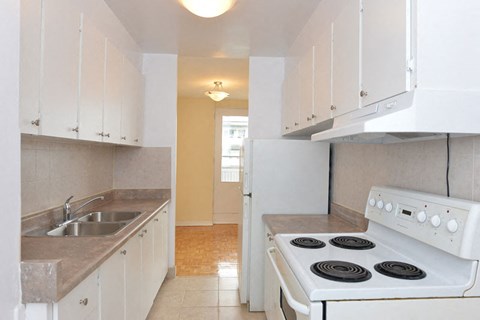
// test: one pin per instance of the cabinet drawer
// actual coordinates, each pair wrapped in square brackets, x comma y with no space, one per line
[81,302]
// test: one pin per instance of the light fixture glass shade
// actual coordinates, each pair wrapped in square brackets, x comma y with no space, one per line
[208,8]
[217,94]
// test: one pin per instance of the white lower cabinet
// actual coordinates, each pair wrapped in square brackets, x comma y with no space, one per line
[81,303]
[123,287]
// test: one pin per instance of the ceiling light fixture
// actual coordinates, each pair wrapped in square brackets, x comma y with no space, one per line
[208,8]
[217,94]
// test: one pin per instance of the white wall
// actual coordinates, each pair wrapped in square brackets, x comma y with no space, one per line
[160,122]
[265,97]
[10,294]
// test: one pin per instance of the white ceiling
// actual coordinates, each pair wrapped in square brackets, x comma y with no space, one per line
[250,28]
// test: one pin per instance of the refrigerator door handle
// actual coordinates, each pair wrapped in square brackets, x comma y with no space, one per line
[247,195]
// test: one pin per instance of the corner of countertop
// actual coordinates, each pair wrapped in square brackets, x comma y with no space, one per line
[40,280]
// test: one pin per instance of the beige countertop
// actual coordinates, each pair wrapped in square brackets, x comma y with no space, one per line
[309,223]
[53,266]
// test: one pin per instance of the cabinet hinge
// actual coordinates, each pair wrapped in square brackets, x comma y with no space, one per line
[410,65]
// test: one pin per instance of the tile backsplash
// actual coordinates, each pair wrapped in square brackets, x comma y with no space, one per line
[413,165]
[53,169]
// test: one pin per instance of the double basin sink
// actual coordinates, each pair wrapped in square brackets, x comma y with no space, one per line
[100,223]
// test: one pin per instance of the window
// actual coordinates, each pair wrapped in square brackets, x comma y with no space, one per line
[234,130]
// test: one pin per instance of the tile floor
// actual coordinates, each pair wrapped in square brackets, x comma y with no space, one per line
[200,298]
[206,286]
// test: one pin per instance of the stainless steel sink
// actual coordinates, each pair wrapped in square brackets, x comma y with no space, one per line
[110,216]
[87,229]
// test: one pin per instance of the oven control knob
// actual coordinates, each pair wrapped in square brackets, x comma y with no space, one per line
[372,202]
[452,226]
[389,207]
[380,204]
[422,216]
[435,221]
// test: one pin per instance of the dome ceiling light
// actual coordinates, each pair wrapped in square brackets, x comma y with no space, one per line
[217,94]
[208,8]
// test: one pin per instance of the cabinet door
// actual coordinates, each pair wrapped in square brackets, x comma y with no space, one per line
[164,244]
[322,77]
[291,101]
[133,279]
[30,60]
[112,286]
[90,113]
[385,49]
[112,105]
[305,69]
[346,59]
[160,245]
[60,66]
[81,303]
[147,269]
[131,103]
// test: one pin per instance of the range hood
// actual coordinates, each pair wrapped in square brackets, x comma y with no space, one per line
[411,116]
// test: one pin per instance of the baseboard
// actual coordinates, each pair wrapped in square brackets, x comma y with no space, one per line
[193,223]
[172,273]
[226,218]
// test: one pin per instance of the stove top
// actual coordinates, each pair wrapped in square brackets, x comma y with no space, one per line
[335,273]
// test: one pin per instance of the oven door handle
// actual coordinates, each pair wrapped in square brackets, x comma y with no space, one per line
[296,305]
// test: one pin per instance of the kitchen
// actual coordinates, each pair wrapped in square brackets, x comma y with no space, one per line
[355,168]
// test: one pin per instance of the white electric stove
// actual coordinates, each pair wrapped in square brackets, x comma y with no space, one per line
[417,260]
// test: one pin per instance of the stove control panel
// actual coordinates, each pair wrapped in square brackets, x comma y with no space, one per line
[452,225]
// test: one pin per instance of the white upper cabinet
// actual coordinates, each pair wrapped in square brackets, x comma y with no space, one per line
[112,112]
[346,59]
[132,104]
[306,81]
[30,60]
[60,66]
[386,50]
[90,112]
[291,89]
[322,91]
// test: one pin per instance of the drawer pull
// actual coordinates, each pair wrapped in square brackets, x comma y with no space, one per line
[156,220]
[124,252]
[84,301]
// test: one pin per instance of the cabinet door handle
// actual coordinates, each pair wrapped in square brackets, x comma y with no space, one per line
[123,138]
[270,239]
[145,231]
[136,140]
[100,134]
[141,235]
[286,128]
[84,301]
[332,107]
[309,119]
[76,129]
[36,123]
[296,124]
[313,116]
[107,135]
[156,220]
[269,234]
[363,94]
[124,252]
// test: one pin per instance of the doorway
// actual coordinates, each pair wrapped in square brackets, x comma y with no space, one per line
[231,127]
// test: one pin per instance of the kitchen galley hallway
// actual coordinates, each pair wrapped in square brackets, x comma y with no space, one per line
[206,286]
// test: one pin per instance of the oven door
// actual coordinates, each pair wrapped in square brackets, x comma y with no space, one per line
[284,297]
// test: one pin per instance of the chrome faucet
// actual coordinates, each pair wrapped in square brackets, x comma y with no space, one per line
[68,214]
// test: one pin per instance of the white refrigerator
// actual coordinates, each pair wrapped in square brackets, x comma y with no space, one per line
[279,177]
